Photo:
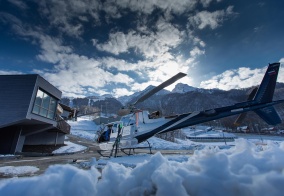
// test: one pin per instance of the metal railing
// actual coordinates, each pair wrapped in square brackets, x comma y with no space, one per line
[62,125]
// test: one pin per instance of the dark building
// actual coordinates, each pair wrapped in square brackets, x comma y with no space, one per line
[29,113]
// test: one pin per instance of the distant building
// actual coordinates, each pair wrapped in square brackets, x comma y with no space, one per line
[244,129]
[29,114]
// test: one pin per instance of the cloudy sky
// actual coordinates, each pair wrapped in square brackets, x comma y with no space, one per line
[118,47]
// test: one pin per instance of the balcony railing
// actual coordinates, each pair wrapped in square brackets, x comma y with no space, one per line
[62,125]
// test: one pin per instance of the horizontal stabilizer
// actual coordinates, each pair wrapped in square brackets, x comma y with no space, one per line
[240,119]
[242,116]
[269,115]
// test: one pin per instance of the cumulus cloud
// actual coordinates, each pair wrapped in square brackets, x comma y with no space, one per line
[206,3]
[73,74]
[148,6]
[20,4]
[196,52]
[64,14]
[149,45]
[118,92]
[242,77]
[161,72]
[77,74]
[212,20]
[52,49]
[9,72]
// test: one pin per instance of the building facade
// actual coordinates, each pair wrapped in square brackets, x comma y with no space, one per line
[29,114]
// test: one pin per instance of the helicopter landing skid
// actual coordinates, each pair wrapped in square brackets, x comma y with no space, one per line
[134,148]
[107,153]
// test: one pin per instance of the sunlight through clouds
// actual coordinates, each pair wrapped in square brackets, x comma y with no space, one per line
[95,47]
[243,77]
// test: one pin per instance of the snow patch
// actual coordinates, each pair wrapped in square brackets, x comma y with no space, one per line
[69,148]
[17,171]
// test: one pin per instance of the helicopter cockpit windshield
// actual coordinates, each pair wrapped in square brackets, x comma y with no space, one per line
[127,120]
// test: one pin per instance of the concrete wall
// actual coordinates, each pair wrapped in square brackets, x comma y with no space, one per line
[45,138]
[9,140]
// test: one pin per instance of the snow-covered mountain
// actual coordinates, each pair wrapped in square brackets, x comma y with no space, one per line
[183,88]
[131,98]
[182,99]
[99,98]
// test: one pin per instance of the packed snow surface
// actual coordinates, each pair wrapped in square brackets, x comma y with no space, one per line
[69,148]
[17,171]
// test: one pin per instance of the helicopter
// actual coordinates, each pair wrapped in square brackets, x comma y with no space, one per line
[137,125]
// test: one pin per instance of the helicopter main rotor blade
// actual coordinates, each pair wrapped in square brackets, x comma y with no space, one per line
[160,87]
[78,116]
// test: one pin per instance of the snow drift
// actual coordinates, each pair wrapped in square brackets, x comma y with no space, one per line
[246,169]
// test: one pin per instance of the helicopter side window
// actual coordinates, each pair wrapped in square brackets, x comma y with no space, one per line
[126,121]
[131,122]
[154,115]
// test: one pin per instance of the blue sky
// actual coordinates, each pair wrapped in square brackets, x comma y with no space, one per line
[87,47]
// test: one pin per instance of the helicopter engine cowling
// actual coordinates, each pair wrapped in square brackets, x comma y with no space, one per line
[124,111]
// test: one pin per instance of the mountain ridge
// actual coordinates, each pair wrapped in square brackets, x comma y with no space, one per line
[178,102]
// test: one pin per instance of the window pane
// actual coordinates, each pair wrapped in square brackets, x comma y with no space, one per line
[39,97]
[46,100]
[50,115]
[53,104]
[43,112]
[36,109]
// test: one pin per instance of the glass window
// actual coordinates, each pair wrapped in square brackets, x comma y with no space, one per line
[53,104]
[36,109]
[127,120]
[50,115]
[39,97]
[45,105]
[43,112]
[45,101]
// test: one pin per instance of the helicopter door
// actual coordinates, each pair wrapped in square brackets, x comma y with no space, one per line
[128,130]
[128,126]
[114,130]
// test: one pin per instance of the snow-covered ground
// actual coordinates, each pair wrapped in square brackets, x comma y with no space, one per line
[17,171]
[250,167]
[202,132]
[70,147]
